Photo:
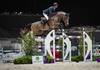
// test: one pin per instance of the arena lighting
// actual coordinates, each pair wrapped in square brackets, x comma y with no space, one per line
[15,13]
[20,13]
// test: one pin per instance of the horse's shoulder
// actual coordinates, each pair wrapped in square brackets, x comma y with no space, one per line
[54,18]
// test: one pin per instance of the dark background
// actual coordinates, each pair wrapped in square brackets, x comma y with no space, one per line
[82,13]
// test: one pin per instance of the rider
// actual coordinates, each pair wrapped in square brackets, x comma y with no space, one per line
[50,10]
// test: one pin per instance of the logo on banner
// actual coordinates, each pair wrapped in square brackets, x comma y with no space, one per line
[37,59]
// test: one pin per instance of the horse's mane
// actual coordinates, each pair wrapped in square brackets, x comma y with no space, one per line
[58,15]
[37,22]
[62,12]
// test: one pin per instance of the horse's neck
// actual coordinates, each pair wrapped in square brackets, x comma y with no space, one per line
[56,18]
[53,22]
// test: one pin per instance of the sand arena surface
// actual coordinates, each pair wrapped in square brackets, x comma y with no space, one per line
[56,66]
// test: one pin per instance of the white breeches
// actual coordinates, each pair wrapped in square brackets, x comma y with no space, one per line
[46,16]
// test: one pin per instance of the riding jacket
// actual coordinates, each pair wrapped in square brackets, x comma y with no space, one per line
[49,10]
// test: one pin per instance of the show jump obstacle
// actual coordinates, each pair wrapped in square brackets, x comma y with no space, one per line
[51,36]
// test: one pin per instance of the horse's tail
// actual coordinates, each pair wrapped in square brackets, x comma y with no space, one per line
[25,29]
[28,27]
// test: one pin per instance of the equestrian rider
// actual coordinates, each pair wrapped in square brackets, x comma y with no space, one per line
[50,10]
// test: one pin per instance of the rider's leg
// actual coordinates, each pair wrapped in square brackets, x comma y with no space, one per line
[46,16]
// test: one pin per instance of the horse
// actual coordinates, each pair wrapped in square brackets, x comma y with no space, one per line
[59,20]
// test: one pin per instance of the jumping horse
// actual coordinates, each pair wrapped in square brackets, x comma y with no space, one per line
[59,20]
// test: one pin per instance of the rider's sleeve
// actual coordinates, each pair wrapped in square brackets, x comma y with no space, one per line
[51,9]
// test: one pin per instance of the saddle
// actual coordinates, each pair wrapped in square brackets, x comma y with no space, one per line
[44,20]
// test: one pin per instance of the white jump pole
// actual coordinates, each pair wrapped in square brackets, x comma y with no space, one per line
[50,37]
[67,51]
[87,42]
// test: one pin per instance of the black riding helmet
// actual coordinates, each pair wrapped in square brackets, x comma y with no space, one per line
[55,4]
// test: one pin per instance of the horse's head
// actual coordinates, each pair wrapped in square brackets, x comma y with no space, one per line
[64,18]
